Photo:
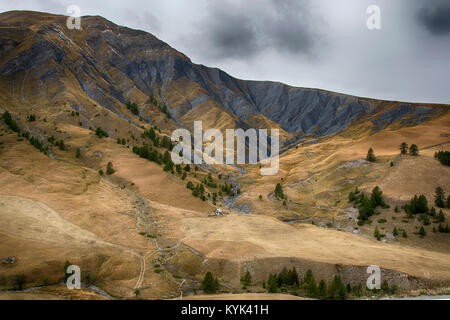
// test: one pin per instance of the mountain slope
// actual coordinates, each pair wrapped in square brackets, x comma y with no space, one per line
[110,65]
[147,229]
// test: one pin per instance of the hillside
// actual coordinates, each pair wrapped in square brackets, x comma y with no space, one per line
[74,103]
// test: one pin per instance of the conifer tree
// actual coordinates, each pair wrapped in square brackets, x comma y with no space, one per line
[414,150]
[439,199]
[404,148]
[371,156]
[209,284]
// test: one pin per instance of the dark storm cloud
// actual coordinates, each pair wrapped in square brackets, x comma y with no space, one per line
[292,28]
[245,28]
[230,33]
[436,20]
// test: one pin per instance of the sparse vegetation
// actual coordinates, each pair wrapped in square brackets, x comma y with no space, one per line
[133,107]
[31,118]
[365,205]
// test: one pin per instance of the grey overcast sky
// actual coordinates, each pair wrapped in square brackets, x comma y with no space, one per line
[307,43]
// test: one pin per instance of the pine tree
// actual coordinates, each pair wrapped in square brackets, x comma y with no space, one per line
[279,191]
[414,150]
[322,289]
[61,145]
[395,232]
[439,199]
[377,234]
[272,284]
[432,212]
[441,216]
[357,290]
[371,156]
[308,276]
[312,287]
[209,284]
[385,287]
[246,280]
[376,197]
[336,290]
[295,278]
[404,148]
[109,168]
[422,232]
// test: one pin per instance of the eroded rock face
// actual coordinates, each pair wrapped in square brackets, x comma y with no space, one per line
[108,61]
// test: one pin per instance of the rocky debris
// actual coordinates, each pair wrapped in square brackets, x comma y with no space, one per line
[219,213]
[9,260]
[352,213]
[352,164]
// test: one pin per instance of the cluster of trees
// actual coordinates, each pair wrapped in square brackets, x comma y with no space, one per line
[109,169]
[443,157]
[147,152]
[288,281]
[439,199]
[282,281]
[227,189]
[209,181]
[100,133]
[59,143]
[161,106]
[12,124]
[419,205]
[413,149]
[164,142]
[197,191]
[367,205]
[121,141]
[210,284]
[133,107]
[31,118]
